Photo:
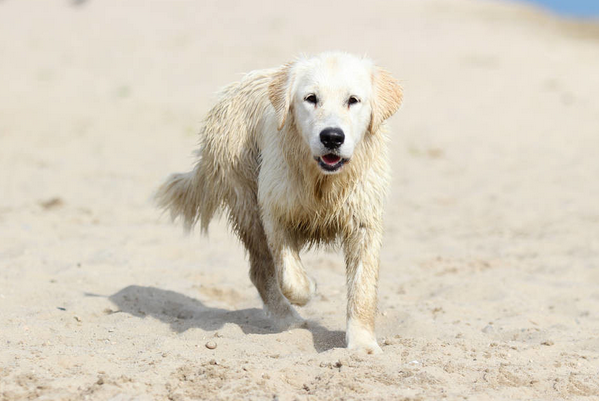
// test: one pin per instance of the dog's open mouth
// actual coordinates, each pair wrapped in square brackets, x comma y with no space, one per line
[330,162]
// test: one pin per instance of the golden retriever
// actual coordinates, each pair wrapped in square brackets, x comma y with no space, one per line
[296,156]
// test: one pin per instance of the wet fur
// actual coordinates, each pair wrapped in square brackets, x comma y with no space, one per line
[254,165]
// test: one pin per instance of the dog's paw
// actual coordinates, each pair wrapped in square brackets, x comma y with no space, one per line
[370,347]
[300,291]
[285,318]
[361,339]
[292,323]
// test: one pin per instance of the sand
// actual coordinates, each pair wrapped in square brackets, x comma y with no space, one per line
[490,267]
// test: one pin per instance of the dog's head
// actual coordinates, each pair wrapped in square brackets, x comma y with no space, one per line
[336,99]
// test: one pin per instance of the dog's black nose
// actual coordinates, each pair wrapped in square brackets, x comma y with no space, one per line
[332,138]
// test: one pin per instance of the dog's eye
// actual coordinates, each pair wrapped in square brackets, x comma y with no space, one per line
[311,98]
[352,100]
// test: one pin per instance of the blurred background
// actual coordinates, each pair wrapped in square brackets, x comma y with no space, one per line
[579,8]
[75,73]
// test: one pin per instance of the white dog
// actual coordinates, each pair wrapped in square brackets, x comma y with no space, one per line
[296,156]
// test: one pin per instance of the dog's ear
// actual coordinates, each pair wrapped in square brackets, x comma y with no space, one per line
[279,92]
[386,99]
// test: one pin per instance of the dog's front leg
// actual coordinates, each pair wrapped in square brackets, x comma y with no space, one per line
[290,277]
[361,247]
[295,284]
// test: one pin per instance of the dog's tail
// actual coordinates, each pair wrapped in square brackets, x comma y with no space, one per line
[183,195]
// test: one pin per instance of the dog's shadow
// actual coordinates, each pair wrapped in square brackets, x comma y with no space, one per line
[182,313]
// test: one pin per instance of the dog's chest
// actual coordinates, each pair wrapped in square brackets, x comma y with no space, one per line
[313,213]
[318,226]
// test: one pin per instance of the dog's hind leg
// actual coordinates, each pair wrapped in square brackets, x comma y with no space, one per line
[262,271]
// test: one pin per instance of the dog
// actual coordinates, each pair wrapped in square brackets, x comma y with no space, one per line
[296,156]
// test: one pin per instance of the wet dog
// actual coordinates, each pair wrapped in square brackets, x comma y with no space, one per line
[296,156]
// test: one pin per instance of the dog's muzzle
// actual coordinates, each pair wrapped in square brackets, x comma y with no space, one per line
[332,138]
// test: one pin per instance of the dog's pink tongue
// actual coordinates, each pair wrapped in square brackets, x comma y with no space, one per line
[331,159]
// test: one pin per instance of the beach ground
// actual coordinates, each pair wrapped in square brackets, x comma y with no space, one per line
[490,266]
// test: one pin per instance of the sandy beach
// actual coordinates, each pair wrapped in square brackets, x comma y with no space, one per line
[489,284]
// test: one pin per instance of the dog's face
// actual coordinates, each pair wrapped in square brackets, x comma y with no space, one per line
[335,99]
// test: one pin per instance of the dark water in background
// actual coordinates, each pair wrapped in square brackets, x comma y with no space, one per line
[571,8]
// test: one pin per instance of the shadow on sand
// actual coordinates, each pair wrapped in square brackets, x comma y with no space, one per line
[182,313]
